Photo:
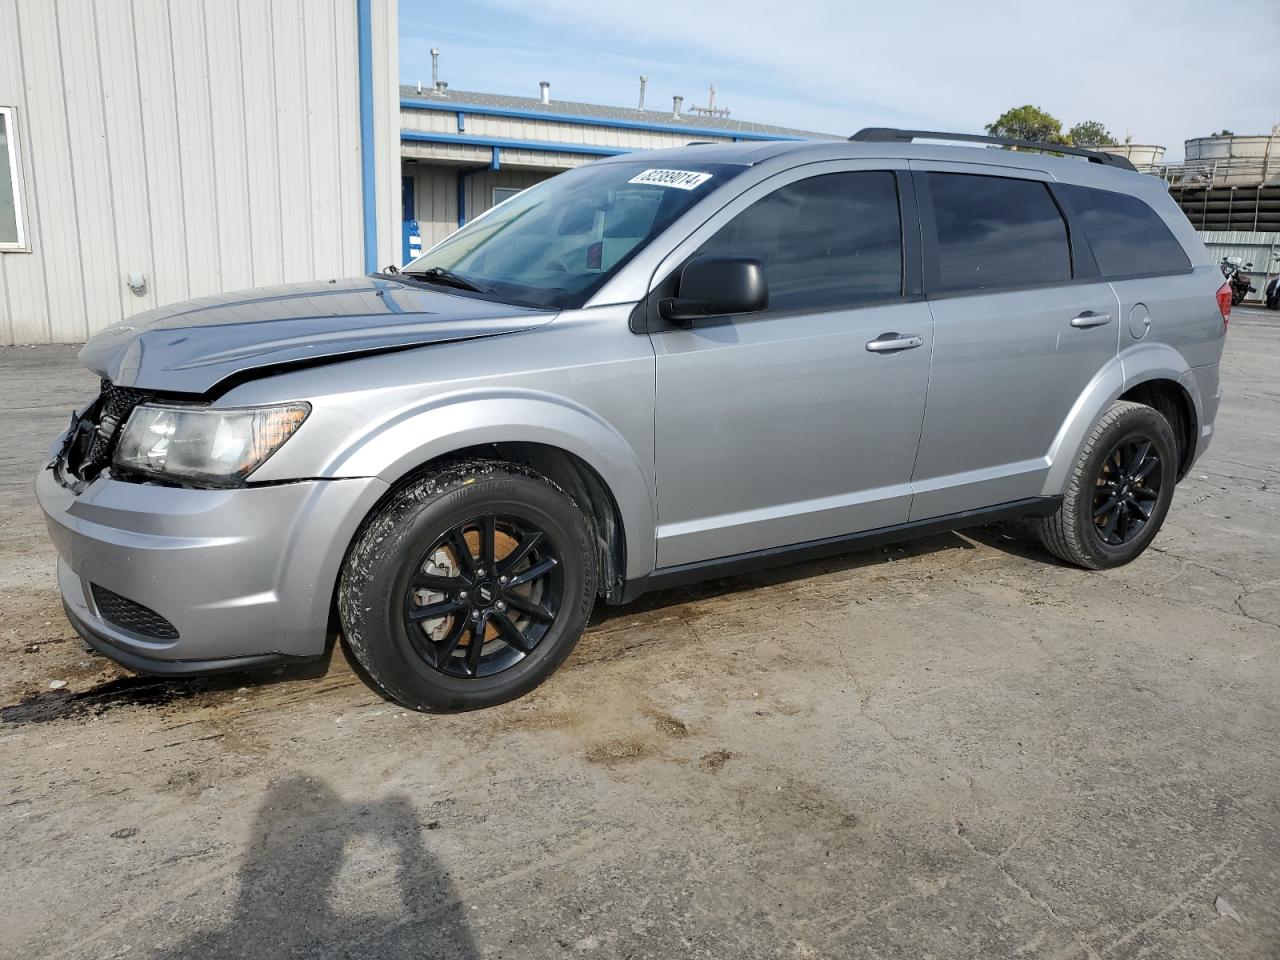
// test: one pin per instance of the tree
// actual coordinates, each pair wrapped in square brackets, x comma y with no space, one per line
[1223,133]
[1027,123]
[1089,133]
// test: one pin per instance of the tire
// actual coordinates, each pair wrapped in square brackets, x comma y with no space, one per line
[408,563]
[1097,480]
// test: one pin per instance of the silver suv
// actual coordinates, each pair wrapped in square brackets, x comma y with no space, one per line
[649,370]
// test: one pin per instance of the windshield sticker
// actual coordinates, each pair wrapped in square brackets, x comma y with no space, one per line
[680,179]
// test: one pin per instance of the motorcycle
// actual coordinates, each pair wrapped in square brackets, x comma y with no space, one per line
[1239,280]
[1273,289]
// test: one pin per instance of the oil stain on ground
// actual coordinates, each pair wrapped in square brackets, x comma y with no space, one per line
[50,705]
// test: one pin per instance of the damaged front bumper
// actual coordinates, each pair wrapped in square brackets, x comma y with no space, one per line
[178,580]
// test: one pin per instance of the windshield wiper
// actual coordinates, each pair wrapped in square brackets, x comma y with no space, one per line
[446,277]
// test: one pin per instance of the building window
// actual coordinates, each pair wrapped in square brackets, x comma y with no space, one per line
[12,232]
[504,193]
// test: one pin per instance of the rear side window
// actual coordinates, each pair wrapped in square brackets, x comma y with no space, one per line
[829,241]
[996,232]
[1127,237]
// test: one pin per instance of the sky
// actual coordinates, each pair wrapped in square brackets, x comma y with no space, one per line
[1156,72]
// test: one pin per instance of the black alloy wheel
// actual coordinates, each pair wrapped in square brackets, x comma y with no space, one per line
[1128,488]
[1118,490]
[468,586]
[483,596]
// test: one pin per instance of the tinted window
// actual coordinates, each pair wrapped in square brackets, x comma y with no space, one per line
[1127,237]
[825,242]
[997,232]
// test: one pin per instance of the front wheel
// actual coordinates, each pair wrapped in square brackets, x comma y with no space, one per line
[469,587]
[1119,491]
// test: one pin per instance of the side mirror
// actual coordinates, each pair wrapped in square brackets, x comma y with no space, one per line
[713,286]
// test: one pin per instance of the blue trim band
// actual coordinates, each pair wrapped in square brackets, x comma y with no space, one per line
[420,136]
[368,179]
[409,103]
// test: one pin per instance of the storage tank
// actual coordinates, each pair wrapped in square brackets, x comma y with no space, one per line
[1139,154]
[1237,160]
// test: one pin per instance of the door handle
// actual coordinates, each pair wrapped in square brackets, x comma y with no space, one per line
[893,342]
[1090,319]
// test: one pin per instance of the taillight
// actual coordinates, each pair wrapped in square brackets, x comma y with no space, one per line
[1224,302]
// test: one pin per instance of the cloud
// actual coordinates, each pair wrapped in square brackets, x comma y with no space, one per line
[1160,74]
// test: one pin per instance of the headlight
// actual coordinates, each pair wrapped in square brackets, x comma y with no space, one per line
[204,444]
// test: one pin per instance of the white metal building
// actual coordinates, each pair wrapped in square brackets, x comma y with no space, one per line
[155,150]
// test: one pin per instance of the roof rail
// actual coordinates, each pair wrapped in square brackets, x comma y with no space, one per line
[893,135]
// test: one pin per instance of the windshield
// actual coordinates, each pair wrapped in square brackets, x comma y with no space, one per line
[556,244]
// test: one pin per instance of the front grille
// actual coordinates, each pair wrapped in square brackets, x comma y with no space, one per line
[93,441]
[134,617]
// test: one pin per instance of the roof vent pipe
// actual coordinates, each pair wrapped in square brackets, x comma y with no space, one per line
[546,91]
[435,68]
[643,78]
[676,103]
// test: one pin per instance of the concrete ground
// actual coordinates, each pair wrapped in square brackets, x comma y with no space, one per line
[952,749]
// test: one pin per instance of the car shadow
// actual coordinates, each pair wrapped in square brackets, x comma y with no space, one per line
[1008,538]
[293,902]
[786,573]
[1015,539]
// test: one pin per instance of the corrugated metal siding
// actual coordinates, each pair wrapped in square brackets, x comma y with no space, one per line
[208,144]
[515,128]
[1260,249]
[435,195]
[435,201]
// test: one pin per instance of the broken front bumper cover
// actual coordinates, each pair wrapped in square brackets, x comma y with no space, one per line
[244,576]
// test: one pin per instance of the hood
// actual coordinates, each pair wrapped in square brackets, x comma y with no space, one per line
[192,346]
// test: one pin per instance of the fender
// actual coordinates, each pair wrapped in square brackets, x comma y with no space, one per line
[452,421]
[1137,364]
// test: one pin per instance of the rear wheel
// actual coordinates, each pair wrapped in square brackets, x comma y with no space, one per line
[468,587]
[1119,491]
